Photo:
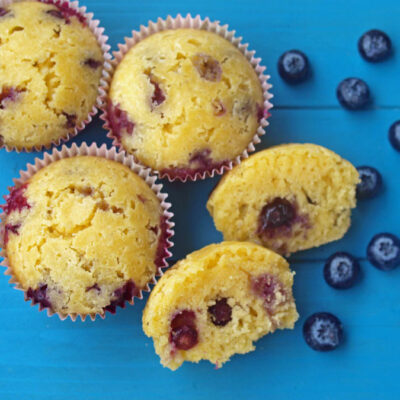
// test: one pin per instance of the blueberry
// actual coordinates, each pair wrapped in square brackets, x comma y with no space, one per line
[293,66]
[383,251]
[341,270]
[374,45]
[371,182]
[276,213]
[323,331]
[183,334]
[353,93]
[220,312]
[394,135]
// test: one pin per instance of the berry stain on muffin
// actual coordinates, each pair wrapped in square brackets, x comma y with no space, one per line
[16,200]
[9,94]
[63,11]
[119,122]
[218,108]
[201,158]
[162,231]
[270,290]
[125,293]
[207,67]
[39,296]
[93,287]
[92,63]
[158,96]
[199,162]
[3,12]
[71,120]
[261,113]
[10,228]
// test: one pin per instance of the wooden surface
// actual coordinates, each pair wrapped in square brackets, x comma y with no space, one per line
[44,358]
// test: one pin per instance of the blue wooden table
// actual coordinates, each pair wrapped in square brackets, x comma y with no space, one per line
[45,358]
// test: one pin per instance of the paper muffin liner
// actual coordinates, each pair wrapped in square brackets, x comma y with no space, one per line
[166,224]
[195,23]
[102,39]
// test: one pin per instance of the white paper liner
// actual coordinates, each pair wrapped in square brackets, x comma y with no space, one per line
[109,154]
[102,39]
[195,23]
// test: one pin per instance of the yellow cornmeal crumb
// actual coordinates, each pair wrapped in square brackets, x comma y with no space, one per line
[226,270]
[44,60]
[89,223]
[317,181]
[216,112]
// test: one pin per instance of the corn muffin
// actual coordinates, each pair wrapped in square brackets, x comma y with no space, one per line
[217,302]
[83,235]
[287,198]
[184,101]
[51,65]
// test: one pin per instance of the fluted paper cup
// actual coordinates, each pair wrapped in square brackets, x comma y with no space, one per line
[197,22]
[113,154]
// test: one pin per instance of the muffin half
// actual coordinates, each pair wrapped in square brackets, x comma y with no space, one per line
[217,302]
[287,198]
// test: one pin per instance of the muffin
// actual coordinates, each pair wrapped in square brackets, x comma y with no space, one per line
[83,235]
[287,198]
[184,102]
[51,64]
[217,302]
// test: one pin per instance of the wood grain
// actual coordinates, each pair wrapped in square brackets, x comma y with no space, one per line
[109,359]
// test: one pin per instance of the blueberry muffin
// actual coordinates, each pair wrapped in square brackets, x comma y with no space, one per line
[51,65]
[83,235]
[184,101]
[217,302]
[287,198]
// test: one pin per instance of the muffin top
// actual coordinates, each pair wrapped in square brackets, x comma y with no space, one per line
[217,301]
[51,65]
[83,235]
[183,100]
[288,198]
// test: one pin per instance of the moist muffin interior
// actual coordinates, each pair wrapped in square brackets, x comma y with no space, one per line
[217,302]
[50,65]
[83,235]
[288,198]
[183,100]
